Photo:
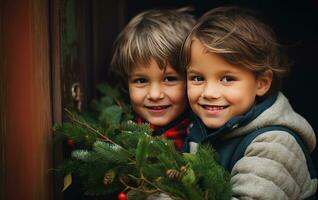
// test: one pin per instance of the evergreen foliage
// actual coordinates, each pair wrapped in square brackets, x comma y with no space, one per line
[115,154]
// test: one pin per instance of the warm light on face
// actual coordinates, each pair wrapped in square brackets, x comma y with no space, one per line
[157,96]
[217,90]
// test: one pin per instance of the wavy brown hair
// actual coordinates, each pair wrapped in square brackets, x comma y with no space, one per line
[153,34]
[240,37]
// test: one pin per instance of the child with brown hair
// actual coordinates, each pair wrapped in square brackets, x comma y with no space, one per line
[234,72]
[145,64]
[145,61]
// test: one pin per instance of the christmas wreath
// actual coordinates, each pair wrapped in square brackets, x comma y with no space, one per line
[113,154]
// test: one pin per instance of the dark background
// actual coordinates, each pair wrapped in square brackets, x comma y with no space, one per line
[296,26]
[87,42]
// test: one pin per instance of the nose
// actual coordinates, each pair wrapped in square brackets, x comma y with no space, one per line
[211,91]
[155,92]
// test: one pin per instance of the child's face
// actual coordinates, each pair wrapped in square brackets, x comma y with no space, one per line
[217,90]
[157,96]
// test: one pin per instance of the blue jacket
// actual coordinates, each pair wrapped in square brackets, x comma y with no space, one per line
[265,150]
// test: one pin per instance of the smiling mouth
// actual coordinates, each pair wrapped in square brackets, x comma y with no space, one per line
[157,107]
[214,108]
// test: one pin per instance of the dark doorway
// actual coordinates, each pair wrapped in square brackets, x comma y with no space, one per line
[97,23]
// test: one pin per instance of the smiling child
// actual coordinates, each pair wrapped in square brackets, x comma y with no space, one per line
[234,72]
[145,61]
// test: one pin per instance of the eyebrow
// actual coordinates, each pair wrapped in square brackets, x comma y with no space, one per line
[190,70]
[136,75]
[171,72]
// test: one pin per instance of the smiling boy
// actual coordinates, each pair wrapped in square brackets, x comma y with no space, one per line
[157,95]
[145,61]
[218,90]
[234,72]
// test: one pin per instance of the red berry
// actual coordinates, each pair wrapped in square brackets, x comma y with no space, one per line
[122,196]
[70,143]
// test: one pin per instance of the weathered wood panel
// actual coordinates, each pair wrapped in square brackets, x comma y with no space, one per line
[26,101]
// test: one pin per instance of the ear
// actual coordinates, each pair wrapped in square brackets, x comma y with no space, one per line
[264,82]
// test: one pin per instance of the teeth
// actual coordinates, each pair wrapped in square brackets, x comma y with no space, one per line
[157,107]
[212,108]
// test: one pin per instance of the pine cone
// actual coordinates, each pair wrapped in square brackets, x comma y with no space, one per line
[109,177]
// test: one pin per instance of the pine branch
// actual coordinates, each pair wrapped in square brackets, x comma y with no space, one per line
[140,154]
[102,136]
[123,156]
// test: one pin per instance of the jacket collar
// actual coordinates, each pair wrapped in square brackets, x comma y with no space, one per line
[200,133]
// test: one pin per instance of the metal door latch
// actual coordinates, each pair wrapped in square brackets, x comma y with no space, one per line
[77,96]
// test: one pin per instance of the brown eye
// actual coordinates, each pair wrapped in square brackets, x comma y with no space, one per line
[197,78]
[227,79]
[170,78]
[140,80]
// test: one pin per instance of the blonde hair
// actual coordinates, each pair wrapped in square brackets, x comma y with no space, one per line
[153,34]
[240,38]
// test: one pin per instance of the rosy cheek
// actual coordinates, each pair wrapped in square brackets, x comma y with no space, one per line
[178,94]
[192,94]
[134,98]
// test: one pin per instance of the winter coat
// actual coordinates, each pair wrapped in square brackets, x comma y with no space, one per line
[273,166]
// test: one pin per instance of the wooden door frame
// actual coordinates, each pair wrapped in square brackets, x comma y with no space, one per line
[2,106]
[25,98]
[55,53]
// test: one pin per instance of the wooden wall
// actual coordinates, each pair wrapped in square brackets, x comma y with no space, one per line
[25,100]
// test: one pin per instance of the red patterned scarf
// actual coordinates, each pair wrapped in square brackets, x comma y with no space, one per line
[176,131]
